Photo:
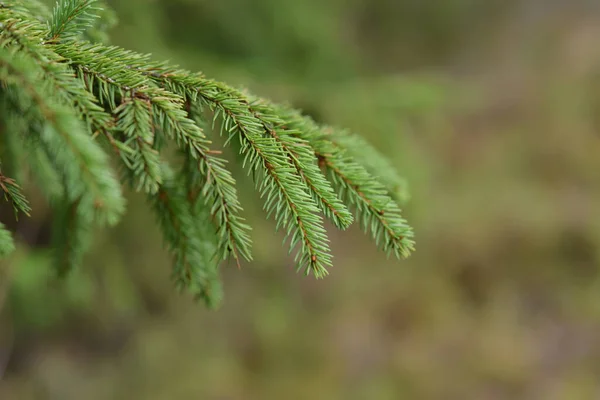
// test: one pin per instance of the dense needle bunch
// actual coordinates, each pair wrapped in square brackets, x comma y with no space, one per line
[70,105]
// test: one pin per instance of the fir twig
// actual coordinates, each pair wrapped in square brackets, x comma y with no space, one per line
[377,212]
[114,82]
[374,162]
[285,193]
[134,117]
[189,241]
[12,192]
[60,93]
[303,158]
[70,18]
[83,162]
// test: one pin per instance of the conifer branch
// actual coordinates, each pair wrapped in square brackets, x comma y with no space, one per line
[261,149]
[12,192]
[21,147]
[303,158]
[60,93]
[130,68]
[169,114]
[377,212]
[27,37]
[189,85]
[215,183]
[84,164]
[189,241]
[134,119]
[285,193]
[37,9]
[70,18]
[374,162]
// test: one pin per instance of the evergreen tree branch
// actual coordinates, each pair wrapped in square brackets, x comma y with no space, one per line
[84,164]
[35,8]
[134,119]
[197,88]
[70,18]
[261,150]
[21,143]
[27,37]
[250,124]
[190,243]
[303,158]
[215,183]
[12,192]
[170,115]
[362,152]
[377,212]
[188,84]
[285,193]
[60,93]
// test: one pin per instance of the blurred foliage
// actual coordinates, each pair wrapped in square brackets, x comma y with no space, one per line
[489,108]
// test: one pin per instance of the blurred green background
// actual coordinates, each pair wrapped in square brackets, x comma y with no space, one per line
[491,110]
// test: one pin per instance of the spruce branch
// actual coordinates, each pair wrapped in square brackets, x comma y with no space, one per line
[286,198]
[116,81]
[84,164]
[134,119]
[216,184]
[191,244]
[35,8]
[278,180]
[21,148]
[262,149]
[303,158]
[212,94]
[12,192]
[364,153]
[213,182]
[70,18]
[27,37]
[377,212]
[63,97]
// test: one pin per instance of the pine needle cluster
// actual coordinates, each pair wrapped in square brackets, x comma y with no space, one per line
[84,118]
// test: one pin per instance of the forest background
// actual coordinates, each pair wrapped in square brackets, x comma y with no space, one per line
[490,109]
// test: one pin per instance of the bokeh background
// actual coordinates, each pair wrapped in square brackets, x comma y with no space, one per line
[491,110]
